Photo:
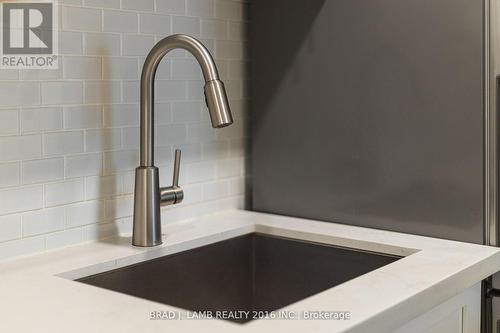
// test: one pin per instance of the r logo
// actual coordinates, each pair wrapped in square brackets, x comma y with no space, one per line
[28,28]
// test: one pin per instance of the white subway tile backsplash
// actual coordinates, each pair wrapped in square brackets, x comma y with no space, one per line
[41,119]
[70,42]
[19,93]
[117,115]
[10,227]
[210,45]
[213,29]
[229,10]
[171,6]
[119,207]
[199,131]
[83,165]
[228,49]
[102,3]
[10,174]
[128,182]
[238,147]
[187,69]
[170,134]
[69,138]
[154,24]
[82,67]
[200,171]
[223,68]
[215,190]
[195,91]
[164,156]
[84,213]
[186,25]
[43,221]
[22,247]
[119,21]
[193,193]
[9,122]
[205,115]
[102,92]
[137,45]
[66,92]
[71,2]
[102,231]
[202,8]
[186,111]
[237,186]
[38,171]
[130,90]
[130,137]
[163,71]
[120,68]
[103,187]
[163,113]
[237,31]
[105,44]
[185,212]
[103,140]
[191,152]
[238,130]
[57,194]
[83,19]
[229,168]
[9,74]
[216,150]
[64,238]
[20,147]
[142,5]
[117,161]
[178,53]
[41,74]
[21,199]
[170,90]
[62,143]
[82,116]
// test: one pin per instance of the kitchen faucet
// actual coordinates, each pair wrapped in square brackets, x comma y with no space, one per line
[148,195]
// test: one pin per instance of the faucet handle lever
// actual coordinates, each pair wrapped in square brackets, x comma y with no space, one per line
[177,166]
[174,194]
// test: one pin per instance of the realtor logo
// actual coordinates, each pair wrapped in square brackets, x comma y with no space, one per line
[29,35]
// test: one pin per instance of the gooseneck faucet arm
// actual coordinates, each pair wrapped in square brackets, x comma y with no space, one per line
[153,59]
[148,195]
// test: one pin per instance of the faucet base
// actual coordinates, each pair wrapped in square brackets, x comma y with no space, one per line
[147,220]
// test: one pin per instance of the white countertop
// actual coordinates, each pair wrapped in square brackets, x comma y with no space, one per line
[37,295]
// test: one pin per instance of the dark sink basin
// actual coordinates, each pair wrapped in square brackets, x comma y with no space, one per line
[254,272]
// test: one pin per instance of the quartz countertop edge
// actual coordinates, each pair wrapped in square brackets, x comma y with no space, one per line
[37,291]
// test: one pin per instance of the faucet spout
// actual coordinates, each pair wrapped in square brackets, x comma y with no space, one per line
[148,195]
[215,93]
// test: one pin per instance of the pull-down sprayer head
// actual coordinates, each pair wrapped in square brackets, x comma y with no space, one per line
[218,106]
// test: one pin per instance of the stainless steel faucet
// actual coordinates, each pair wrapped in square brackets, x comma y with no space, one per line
[148,195]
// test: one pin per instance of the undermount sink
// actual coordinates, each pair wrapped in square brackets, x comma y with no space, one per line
[253,272]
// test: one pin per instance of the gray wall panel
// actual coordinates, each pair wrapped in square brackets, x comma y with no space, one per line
[370,113]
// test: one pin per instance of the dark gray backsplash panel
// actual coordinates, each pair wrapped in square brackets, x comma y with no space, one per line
[370,113]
